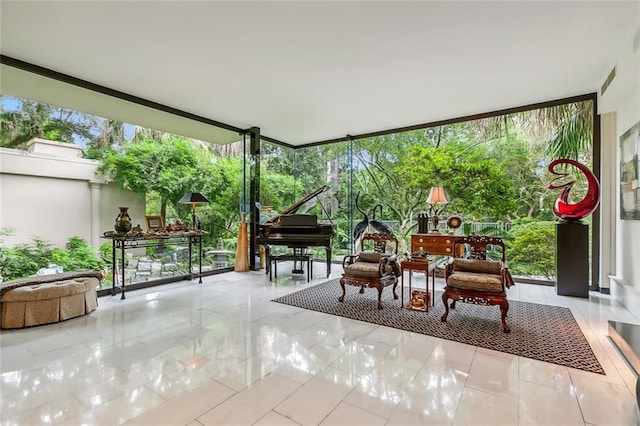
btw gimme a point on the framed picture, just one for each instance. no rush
(154, 223)
(630, 174)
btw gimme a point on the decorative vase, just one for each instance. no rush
(423, 223)
(123, 220)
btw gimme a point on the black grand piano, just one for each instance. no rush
(296, 231)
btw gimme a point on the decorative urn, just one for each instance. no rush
(123, 220)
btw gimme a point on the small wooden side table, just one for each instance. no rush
(415, 265)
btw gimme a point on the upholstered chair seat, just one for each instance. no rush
(476, 279)
(474, 274)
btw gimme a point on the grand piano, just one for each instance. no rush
(296, 231)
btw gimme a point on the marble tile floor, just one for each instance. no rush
(221, 353)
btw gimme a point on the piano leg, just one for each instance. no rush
(267, 256)
(328, 249)
(299, 255)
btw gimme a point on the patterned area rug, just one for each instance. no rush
(542, 332)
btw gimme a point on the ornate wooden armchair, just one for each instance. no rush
(477, 280)
(374, 269)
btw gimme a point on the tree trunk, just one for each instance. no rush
(163, 211)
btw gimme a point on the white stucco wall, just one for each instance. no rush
(112, 198)
(48, 208)
(53, 197)
(624, 103)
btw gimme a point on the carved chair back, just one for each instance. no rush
(379, 242)
(477, 246)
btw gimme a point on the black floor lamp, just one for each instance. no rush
(193, 198)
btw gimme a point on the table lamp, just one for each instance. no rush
(437, 202)
(193, 198)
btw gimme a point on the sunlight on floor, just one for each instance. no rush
(187, 353)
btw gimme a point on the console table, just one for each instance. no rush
(436, 244)
(123, 242)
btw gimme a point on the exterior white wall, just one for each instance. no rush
(112, 198)
(609, 182)
(53, 148)
(54, 196)
(624, 101)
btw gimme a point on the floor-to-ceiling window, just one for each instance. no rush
(493, 171)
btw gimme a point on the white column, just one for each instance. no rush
(608, 197)
(95, 214)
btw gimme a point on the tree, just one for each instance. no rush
(526, 171)
(168, 168)
(109, 133)
(530, 247)
(164, 170)
(571, 126)
(477, 185)
(377, 167)
(37, 120)
(565, 131)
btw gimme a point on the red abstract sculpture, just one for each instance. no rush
(562, 207)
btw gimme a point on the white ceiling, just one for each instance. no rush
(311, 71)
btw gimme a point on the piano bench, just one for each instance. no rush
(296, 257)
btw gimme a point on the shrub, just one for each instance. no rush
(16, 262)
(531, 248)
(24, 260)
(106, 253)
(80, 255)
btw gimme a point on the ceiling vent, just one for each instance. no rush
(608, 81)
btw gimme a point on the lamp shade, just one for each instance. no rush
(436, 196)
(193, 198)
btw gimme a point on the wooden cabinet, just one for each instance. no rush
(436, 244)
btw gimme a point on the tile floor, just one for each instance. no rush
(221, 353)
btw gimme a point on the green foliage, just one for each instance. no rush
(475, 182)
(221, 182)
(573, 135)
(169, 168)
(277, 190)
(5, 231)
(165, 167)
(35, 119)
(93, 151)
(17, 262)
(24, 260)
(530, 248)
(80, 256)
(105, 253)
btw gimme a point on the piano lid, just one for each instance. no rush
(294, 208)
